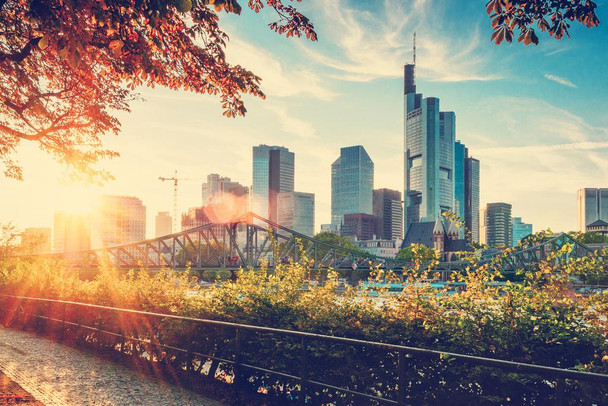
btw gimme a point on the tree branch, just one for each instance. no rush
(21, 55)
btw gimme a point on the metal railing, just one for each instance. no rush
(303, 377)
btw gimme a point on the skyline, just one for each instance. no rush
(547, 108)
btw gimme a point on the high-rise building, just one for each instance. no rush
(273, 173)
(71, 232)
(352, 182)
(118, 220)
(388, 214)
(471, 193)
(358, 226)
(520, 230)
(163, 224)
(35, 240)
(498, 225)
(428, 155)
(218, 189)
(466, 189)
(592, 206)
(296, 211)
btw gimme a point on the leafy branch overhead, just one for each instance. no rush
(553, 16)
(68, 65)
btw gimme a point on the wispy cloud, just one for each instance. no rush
(275, 80)
(375, 45)
(289, 123)
(560, 80)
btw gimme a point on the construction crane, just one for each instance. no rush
(175, 180)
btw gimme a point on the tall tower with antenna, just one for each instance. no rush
(410, 74)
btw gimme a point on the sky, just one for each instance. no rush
(535, 116)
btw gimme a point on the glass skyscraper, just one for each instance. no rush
(296, 211)
(429, 155)
(592, 206)
(497, 222)
(352, 182)
(273, 173)
(520, 230)
(466, 189)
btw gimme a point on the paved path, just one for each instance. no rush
(56, 374)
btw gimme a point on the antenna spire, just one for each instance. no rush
(414, 47)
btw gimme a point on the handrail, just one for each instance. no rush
(494, 362)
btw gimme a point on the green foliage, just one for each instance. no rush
(417, 252)
(541, 320)
(589, 238)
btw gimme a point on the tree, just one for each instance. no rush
(64, 66)
(548, 15)
(589, 238)
(8, 240)
(418, 252)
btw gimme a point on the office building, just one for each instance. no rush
(428, 155)
(592, 206)
(382, 248)
(273, 173)
(222, 190)
(471, 184)
(520, 230)
(388, 214)
(118, 220)
(497, 224)
(296, 211)
(71, 232)
(358, 226)
(352, 182)
(163, 224)
(330, 228)
(35, 240)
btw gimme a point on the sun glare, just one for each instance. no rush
(75, 200)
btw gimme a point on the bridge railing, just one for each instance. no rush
(291, 362)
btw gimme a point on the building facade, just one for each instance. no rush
(388, 214)
(498, 229)
(118, 220)
(71, 232)
(471, 193)
(352, 183)
(163, 222)
(273, 173)
(520, 230)
(380, 247)
(358, 226)
(592, 205)
(296, 211)
(222, 190)
(428, 156)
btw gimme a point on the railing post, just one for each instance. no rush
(303, 371)
(63, 321)
(236, 382)
(401, 383)
(189, 363)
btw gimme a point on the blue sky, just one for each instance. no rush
(535, 116)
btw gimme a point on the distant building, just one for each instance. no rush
(332, 228)
(498, 225)
(592, 206)
(163, 224)
(118, 220)
(222, 190)
(273, 173)
(194, 217)
(520, 230)
(36, 240)
(71, 232)
(598, 226)
(380, 247)
(388, 214)
(471, 184)
(352, 182)
(358, 226)
(296, 211)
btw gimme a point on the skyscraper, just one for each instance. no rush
(498, 225)
(352, 182)
(592, 206)
(273, 173)
(428, 155)
(388, 214)
(217, 187)
(296, 211)
(520, 230)
(163, 224)
(71, 232)
(466, 189)
(118, 220)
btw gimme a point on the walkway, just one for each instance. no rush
(56, 374)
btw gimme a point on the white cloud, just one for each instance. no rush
(277, 80)
(289, 123)
(560, 80)
(376, 46)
